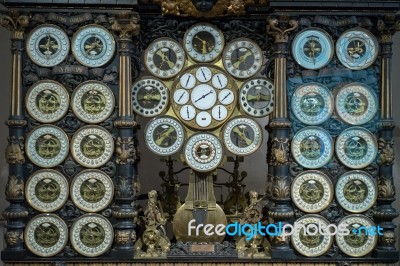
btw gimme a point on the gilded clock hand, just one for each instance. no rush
(165, 58)
(257, 97)
(163, 135)
(204, 96)
(242, 135)
(204, 45)
(242, 58)
(226, 96)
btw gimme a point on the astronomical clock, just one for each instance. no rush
(205, 86)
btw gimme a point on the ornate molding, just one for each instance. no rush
(281, 34)
(387, 27)
(16, 122)
(15, 150)
(281, 188)
(16, 23)
(280, 151)
(386, 151)
(14, 187)
(126, 25)
(125, 123)
(205, 8)
(386, 189)
(125, 150)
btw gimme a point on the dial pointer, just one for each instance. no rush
(226, 96)
(183, 93)
(187, 82)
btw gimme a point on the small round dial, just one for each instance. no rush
(256, 97)
(203, 74)
(188, 81)
(242, 58)
(93, 46)
(357, 48)
(219, 81)
(242, 135)
(164, 135)
(226, 97)
(187, 112)
(203, 119)
(203, 152)
(312, 48)
(164, 58)
(181, 96)
(47, 45)
(149, 97)
(203, 42)
(219, 112)
(203, 96)
(212, 100)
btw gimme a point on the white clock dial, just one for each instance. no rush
(181, 96)
(203, 42)
(164, 58)
(188, 81)
(203, 119)
(242, 58)
(203, 97)
(226, 97)
(219, 112)
(187, 112)
(219, 81)
(203, 74)
(47, 45)
(93, 46)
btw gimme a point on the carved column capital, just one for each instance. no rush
(16, 23)
(126, 25)
(280, 28)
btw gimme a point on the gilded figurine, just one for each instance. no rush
(153, 243)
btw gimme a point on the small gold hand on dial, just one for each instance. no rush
(204, 45)
(165, 58)
(242, 135)
(242, 58)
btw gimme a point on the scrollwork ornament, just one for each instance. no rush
(386, 189)
(281, 35)
(14, 187)
(126, 152)
(280, 151)
(386, 152)
(15, 150)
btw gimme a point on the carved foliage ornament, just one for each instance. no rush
(12, 237)
(386, 187)
(386, 152)
(126, 24)
(15, 23)
(14, 187)
(281, 35)
(280, 151)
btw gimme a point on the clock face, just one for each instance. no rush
(46, 235)
(164, 135)
(357, 48)
(150, 97)
(93, 46)
(257, 97)
(203, 42)
(311, 243)
(242, 58)
(92, 101)
(47, 45)
(242, 135)
(47, 101)
(312, 48)
(91, 235)
(164, 58)
(204, 96)
(203, 152)
(358, 243)
(356, 191)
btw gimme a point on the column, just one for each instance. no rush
(126, 183)
(385, 212)
(16, 213)
(279, 130)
